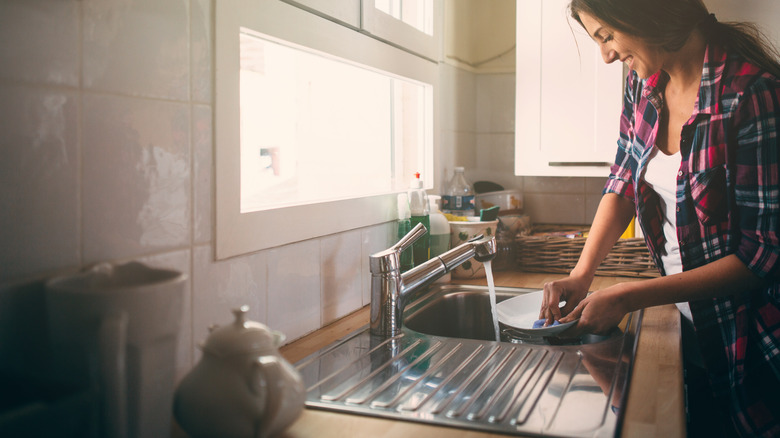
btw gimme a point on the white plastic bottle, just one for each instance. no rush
(440, 228)
(458, 198)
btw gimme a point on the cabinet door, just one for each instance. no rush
(568, 100)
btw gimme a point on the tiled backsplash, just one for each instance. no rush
(106, 137)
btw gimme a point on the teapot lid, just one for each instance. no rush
(242, 336)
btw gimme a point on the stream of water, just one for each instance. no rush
(492, 290)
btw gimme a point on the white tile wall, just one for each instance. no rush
(106, 139)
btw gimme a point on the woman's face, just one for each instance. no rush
(615, 45)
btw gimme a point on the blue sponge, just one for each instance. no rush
(540, 323)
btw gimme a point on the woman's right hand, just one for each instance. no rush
(571, 289)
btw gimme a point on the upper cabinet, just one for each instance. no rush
(568, 101)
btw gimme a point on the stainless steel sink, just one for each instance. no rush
(446, 368)
(464, 312)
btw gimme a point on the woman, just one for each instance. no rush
(697, 162)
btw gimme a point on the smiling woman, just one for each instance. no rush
(313, 120)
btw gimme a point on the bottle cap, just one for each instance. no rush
(416, 182)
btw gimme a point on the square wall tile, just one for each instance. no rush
(219, 286)
(294, 298)
(341, 273)
(495, 106)
(202, 173)
(136, 176)
(139, 47)
(458, 149)
(554, 184)
(554, 208)
(201, 49)
(39, 189)
(458, 99)
(595, 185)
(496, 153)
(39, 41)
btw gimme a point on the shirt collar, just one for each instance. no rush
(708, 99)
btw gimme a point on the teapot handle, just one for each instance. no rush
(266, 372)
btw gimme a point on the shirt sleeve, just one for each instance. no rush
(757, 185)
(620, 179)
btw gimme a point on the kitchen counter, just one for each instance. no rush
(655, 405)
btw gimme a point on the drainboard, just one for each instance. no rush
(504, 387)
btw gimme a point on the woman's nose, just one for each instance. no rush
(608, 54)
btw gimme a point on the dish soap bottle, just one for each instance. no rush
(440, 228)
(404, 226)
(419, 207)
(459, 196)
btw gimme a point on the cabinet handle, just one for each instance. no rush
(578, 163)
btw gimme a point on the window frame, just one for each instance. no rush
(238, 233)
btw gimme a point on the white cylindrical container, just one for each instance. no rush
(115, 328)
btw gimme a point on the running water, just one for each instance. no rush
(492, 290)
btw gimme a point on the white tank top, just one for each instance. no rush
(661, 175)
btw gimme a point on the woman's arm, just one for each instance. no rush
(604, 309)
(612, 218)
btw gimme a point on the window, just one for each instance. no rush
(411, 24)
(415, 13)
(316, 124)
(318, 128)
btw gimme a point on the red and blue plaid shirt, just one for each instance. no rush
(728, 202)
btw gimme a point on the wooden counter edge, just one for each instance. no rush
(655, 405)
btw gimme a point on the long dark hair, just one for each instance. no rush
(668, 24)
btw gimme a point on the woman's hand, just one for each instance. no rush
(599, 312)
(571, 289)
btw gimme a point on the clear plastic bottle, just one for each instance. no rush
(458, 198)
(420, 209)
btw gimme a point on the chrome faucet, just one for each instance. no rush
(391, 290)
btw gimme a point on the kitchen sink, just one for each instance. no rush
(446, 368)
(464, 312)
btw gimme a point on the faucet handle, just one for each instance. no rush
(418, 231)
(387, 260)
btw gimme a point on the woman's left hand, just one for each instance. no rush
(599, 312)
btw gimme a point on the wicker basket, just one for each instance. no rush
(548, 249)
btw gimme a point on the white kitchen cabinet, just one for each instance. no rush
(568, 100)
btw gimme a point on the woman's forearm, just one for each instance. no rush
(719, 278)
(612, 217)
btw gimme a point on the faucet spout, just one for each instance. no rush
(391, 290)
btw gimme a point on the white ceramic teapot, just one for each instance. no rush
(241, 387)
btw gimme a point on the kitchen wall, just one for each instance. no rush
(106, 139)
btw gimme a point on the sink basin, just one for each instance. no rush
(446, 368)
(464, 312)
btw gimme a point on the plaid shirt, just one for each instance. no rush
(728, 202)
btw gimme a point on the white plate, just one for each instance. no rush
(522, 311)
